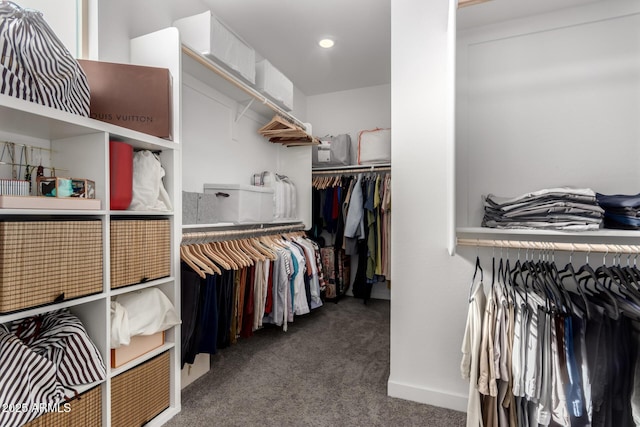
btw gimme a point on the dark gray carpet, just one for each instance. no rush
(329, 369)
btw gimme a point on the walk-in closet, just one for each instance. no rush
(273, 212)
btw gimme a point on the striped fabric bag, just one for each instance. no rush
(59, 336)
(36, 66)
(28, 384)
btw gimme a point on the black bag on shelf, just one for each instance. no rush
(36, 66)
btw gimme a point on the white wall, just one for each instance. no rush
(428, 304)
(350, 111)
(557, 94)
(62, 17)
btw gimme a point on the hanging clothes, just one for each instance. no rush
(557, 347)
(221, 308)
(470, 364)
(365, 216)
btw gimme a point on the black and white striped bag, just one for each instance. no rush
(36, 66)
(59, 336)
(28, 384)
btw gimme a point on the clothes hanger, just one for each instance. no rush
(232, 254)
(204, 260)
(586, 273)
(216, 254)
(261, 247)
(610, 277)
(212, 265)
(206, 250)
(209, 249)
(222, 252)
(512, 285)
(569, 272)
(625, 287)
(548, 284)
(271, 241)
(248, 248)
(190, 252)
(473, 280)
(184, 256)
(249, 253)
(248, 260)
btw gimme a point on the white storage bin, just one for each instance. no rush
(205, 33)
(271, 82)
(239, 203)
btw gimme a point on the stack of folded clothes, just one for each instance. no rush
(560, 208)
(620, 211)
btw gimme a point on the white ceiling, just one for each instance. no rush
(286, 32)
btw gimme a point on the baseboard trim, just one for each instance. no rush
(442, 399)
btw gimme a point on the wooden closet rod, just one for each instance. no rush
(463, 3)
(349, 169)
(231, 79)
(213, 236)
(552, 246)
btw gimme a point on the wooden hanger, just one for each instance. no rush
(231, 253)
(222, 252)
(252, 251)
(186, 257)
(210, 252)
(248, 261)
(203, 249)
(280, 130)
(187, 252)
(204, 261)
(270, 242)
(266, 250)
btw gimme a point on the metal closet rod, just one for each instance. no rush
(348, 170)
(553, 246)
(212, 236)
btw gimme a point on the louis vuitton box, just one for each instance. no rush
(131, 96)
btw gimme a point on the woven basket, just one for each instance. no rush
(85, 410)
(141, 393)
(46, 261)
(140, 251)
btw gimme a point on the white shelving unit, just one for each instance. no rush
(80, 146)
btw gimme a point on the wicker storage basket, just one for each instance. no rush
(141, 393)
(46, 261)
(140, 251)
(85, 410)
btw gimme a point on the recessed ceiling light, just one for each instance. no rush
(326, 43)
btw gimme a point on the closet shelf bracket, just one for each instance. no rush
(244, 110)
